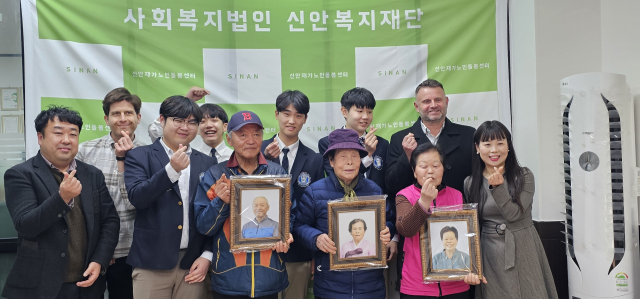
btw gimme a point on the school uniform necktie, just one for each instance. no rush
(285, 159)
(213, 155)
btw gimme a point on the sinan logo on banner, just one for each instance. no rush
(392, 73)
(242, 76)
(81, 70)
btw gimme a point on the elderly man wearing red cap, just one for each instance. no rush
(230, 271)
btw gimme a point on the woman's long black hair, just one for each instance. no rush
(487, 131)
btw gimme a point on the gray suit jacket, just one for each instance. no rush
(38, 213)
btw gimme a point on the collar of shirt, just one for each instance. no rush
(72, 166)
(221, 150)
(233, 162)
(293, 149)
(170, 151)
(428, 132)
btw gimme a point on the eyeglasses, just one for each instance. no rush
(179, 122)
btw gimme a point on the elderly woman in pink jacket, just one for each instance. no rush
(414, 206)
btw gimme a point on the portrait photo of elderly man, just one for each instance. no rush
(261, 226)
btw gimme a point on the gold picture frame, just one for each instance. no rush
(464, 223)
(275, 190)
(373, 206)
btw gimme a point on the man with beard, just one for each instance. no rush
(107, 153)
(456, 141)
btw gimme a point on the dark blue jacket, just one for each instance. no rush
(306, 170)
(253, 274)
(375, 172)
(311, 221)
(159, 211)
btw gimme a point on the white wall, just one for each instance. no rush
(550, 40)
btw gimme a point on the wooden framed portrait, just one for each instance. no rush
(450, 245)
(260, 211)
(355, 228)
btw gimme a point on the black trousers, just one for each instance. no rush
(463, 295)
(119, 282)
(217, 295)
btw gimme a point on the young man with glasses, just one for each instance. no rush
(211, 129)
(170, 258)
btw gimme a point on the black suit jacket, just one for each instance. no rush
(456, 141)
(159, 212)
(39, 215)
(306, 169)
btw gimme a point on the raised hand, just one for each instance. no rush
(428, 193)
(70, 187)
(409, 144)
(123, 145)
(222, 188)
(180, 159)
(371, 141)
(196, 93)
(496, 178)
(272, 151)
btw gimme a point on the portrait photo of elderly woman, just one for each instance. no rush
(450, 256)
(357, 240)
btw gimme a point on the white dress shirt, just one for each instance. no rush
(183, 178)
(223, 152)
(433, 139)
(293, 150)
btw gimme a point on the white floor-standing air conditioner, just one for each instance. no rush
(600, 186)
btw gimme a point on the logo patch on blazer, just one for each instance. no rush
(304, 179)
(201, 176)
(377, 162)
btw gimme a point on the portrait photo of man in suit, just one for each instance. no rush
(66, 221)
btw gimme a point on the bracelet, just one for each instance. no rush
(120, 158)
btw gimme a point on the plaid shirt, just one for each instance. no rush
(102, 154)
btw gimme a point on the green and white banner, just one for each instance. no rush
(247, 52)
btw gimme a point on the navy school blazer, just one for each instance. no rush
(306, 169)
(159, 213)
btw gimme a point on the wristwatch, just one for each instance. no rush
(120, 158)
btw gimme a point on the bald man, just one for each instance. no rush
(261, 226)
